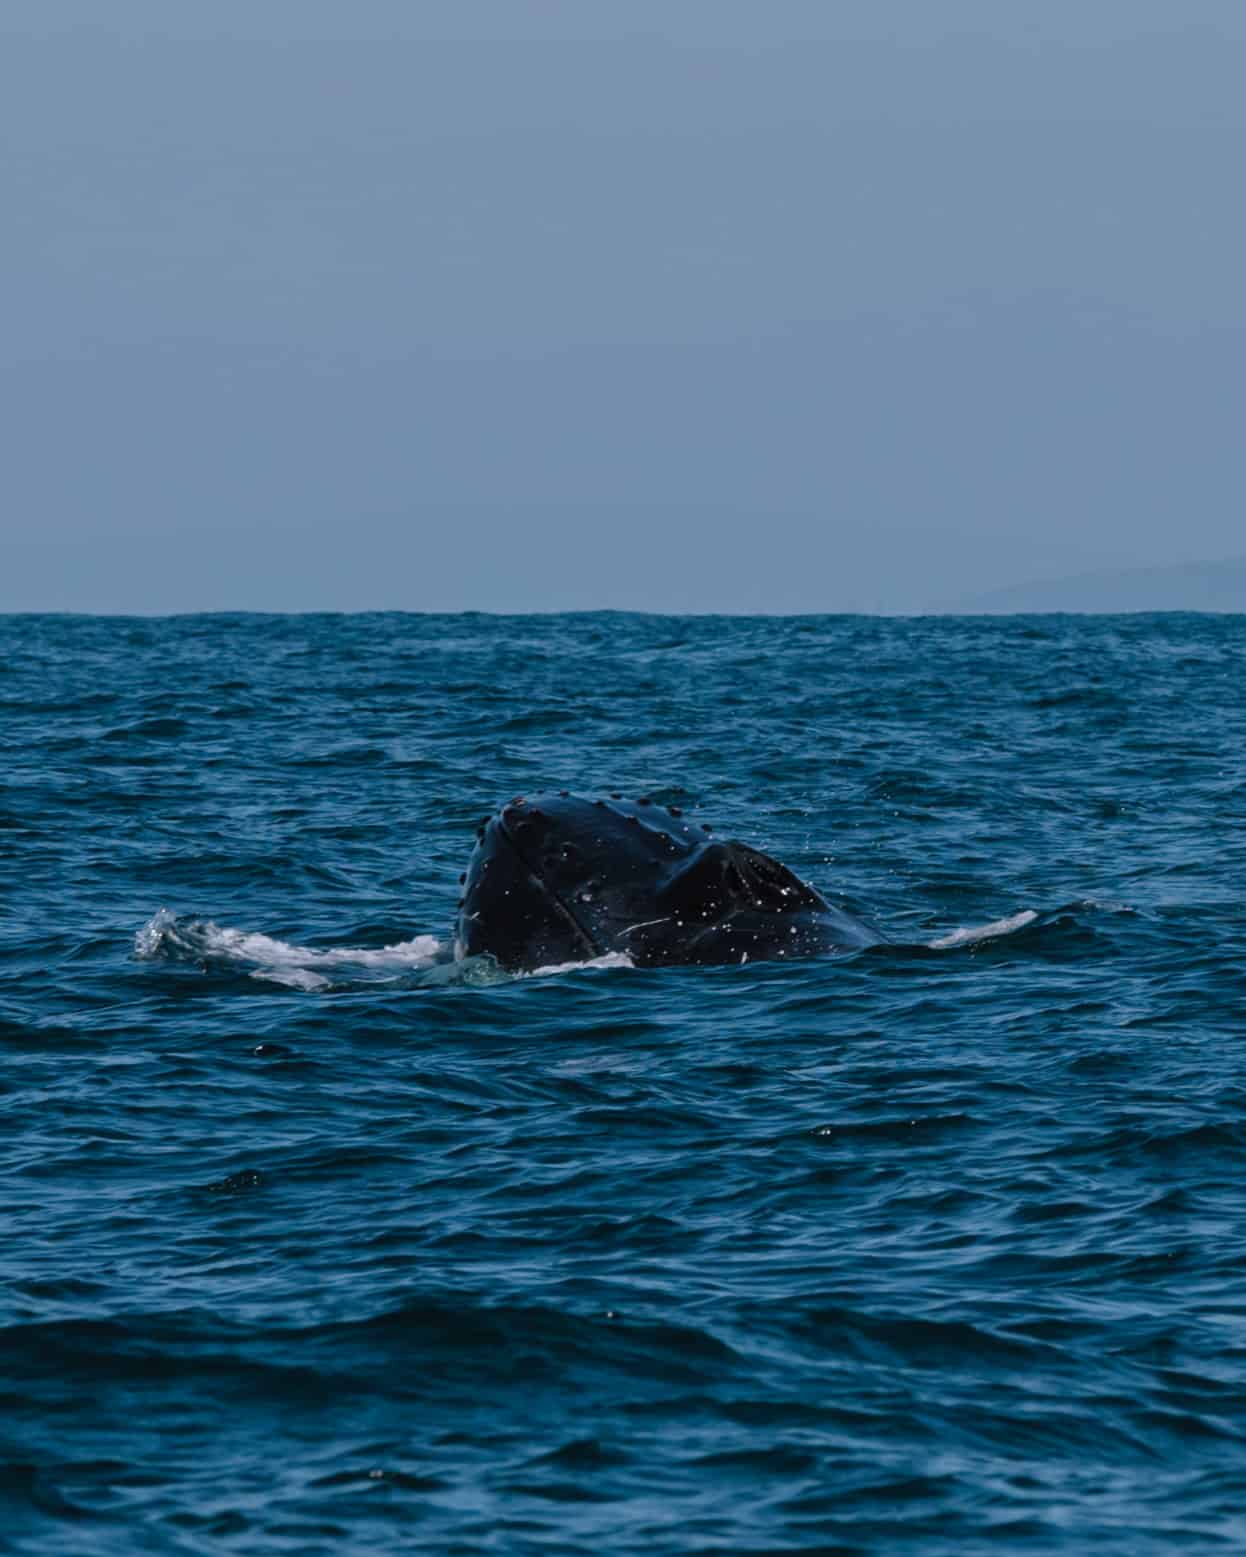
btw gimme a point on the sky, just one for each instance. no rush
(700, 305)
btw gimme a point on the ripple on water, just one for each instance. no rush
(318, 1240)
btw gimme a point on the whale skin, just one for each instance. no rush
(560, 878)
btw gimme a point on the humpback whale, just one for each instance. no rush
(563, 878)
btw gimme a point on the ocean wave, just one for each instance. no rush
(347, 1245)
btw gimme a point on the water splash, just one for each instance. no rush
(971, 935)
(607, 960)
(168, 937)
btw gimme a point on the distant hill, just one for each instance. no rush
(1191, 586)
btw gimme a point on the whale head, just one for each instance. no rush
(562, 878)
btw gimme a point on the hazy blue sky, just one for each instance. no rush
(695, 304)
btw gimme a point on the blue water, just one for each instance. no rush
(314, 1241)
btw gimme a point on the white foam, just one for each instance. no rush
(296, 978)
(150, 939)
(608, 960)
(265, 957)
(984, 932)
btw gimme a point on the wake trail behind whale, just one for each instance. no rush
(169, 938)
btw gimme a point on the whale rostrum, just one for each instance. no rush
(563, 878)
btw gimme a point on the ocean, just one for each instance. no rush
(314, 1240)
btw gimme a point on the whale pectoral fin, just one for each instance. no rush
(722, 878)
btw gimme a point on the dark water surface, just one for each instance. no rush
(312, 1241)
